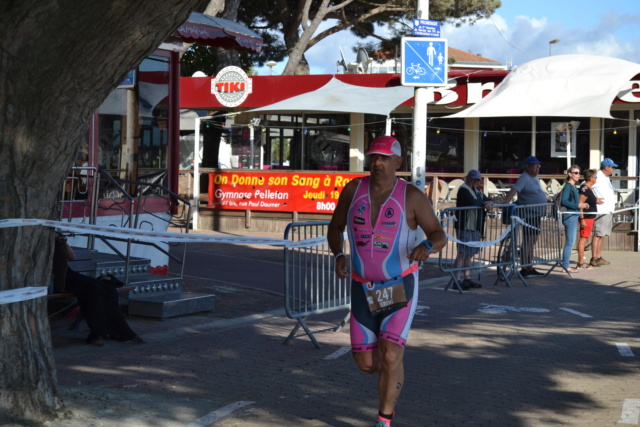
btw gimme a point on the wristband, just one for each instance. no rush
(428, 244)
(336, 256)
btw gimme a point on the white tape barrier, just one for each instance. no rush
(633, 208)
(22, 294)
(156, 236)
(483, 244)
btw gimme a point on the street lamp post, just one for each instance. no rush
(554, 41)
(270, 64)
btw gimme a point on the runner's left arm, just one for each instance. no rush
(420, 212)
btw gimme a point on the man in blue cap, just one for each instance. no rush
(603, 189)
(529, 192)
(469, 225)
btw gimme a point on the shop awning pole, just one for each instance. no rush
(196, 174)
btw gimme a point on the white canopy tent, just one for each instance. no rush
(563, 85)
(340, 97)
(334, 97)
(558, 86)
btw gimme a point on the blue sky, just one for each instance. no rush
(520, 31)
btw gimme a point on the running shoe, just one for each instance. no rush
(602, 261)
(383, 422)
(594, 262)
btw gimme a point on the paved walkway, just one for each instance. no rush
(562, 351)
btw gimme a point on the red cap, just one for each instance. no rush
(385, 145)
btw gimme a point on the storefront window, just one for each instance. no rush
(445, 145)
(281, 139)
(551, 142)
(306, 142)
(327, 142)
(504, 143)
(145, 105)
(616, 140)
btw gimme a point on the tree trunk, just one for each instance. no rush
(226, 57)
(59, 59)
(297, 44)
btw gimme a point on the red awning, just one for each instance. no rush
(218, 32)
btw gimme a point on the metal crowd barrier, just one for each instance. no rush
(513, 237)
(537, 237)
(495, 245)
(310, 282)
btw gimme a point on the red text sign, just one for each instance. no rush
(282, 192)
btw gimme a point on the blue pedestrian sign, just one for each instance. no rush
(426, 28)
(424, 61)
(129, 81)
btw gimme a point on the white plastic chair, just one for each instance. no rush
(454, 186)
(554, 186)
(444, 191)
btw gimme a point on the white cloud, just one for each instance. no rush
(520, 39)
(525, 38)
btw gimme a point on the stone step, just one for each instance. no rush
(170, 304)
(152, 295)
(147, 284)
(96, 264)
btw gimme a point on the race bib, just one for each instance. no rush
(385, 295)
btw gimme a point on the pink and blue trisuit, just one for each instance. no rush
(379, 250)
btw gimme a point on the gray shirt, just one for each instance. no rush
(530, 191)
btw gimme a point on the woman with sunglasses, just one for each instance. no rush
(571, 207)
(588, 215)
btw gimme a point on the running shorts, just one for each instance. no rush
(366, 329)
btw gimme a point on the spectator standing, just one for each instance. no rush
(529, 192)
(571, 202)
(603, 188)
(588, 215)
(469, 224)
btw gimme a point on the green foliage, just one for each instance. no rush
(454, 12)
(279, 23)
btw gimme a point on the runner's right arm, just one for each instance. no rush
(335, 233)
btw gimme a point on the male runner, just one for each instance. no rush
(381, 214)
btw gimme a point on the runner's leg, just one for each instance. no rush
(391, 377)
(367, 361)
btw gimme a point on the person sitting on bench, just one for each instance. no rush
(97, 298)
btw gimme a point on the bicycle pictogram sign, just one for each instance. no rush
(424, 61)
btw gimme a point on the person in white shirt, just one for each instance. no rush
(603, 189)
